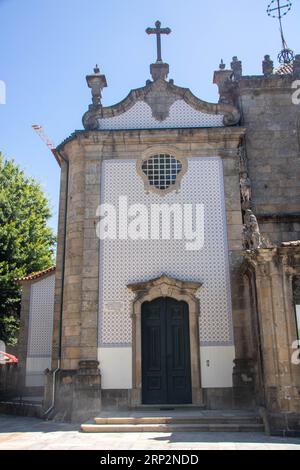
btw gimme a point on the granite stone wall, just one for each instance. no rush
(273, 152)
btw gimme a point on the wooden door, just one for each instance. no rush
(166, 363)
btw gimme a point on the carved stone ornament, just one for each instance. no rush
(91, 117)
(245, 181)
(251, 232)
(252, 238)
(228, 88)
(267, 66)
(96, 82)
(160, 100)
(165, 286)
(228, 92)
(236, 67)
(245, 186)
(159, 71)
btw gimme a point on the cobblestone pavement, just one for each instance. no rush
(31, 434)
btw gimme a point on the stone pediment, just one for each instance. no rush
(160, 104)
(166, 285)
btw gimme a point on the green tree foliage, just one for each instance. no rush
(26, 242)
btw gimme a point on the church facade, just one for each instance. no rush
(178, 262)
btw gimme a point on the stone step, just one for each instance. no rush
(214, 427)
(187, 406)
(178, 420)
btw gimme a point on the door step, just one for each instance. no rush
(142, 408)
(120, 428)
(182, 423)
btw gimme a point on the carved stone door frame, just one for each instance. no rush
(165, 286)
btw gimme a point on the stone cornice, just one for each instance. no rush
(209, 136)
(91, 117)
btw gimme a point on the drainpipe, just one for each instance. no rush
(60, 157)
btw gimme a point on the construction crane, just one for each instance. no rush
(40, 131)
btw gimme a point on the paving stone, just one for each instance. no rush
(33, 434)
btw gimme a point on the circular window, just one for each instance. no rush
(161, 171)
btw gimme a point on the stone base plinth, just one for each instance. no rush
(245, 394)
(284, 424)
(78, 393)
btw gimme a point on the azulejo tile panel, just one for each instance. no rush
(123, 262)
(181, 115)
(41, 318)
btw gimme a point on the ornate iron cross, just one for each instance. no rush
(158, 31)
(276, 6)
(278, 9)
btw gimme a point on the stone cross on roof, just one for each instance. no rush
(158, 31)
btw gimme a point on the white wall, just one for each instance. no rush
(116, 368)
(216, 366)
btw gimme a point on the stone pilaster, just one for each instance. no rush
(71, 321)
(277, 327)
(90, 258)
(78, 381)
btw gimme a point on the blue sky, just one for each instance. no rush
(48, 46)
